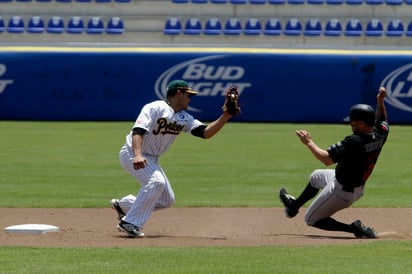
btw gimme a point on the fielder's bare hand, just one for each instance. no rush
(139, 162)
(304, 136)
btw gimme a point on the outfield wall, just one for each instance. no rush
(275, 85)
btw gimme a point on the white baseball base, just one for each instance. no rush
(31, 229)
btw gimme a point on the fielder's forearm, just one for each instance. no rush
(215, 126)
(137, 141)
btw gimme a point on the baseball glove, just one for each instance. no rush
(231, 104)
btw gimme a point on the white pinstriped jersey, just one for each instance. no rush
(163, 125)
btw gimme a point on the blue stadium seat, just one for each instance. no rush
(333, 28)
(408, 2)
(103, 1)
(257, 2)
(172, 26)
(43, 0)
(296, 2)
(64, 1)
(95, 25)
(237, 1)
(272, 27)
(23, 0)
(218, 1)
(16, 24)
(354, 2)
(122, 1)
(193, 26)
(6, 0)
(315, 2)
(200, 1)
(232, 27)
(115, 25)
(35, 25)
(334, 2)
(2, 26)
(394, 2)
(75, 25)
(353, 28)
(180, 1)
(252, 27)
(374, 28)
(408, 31)
(395, 28)
(84, 1)
(277, 2)
(374, 2)
(55, 25)
(213, 26)
(293, 27)
(313, 27)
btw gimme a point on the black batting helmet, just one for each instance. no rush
(362, 112)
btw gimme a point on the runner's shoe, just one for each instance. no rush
(287, 200)
(362, 231)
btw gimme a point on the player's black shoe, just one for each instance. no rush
(131, 230)
(287, 200)
(119, 210)
(362, 231)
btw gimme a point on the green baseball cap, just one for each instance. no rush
(176, 85)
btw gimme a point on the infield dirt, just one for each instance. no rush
(93, 227)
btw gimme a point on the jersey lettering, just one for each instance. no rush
(374, 146)
(355, 165)
(167, 128)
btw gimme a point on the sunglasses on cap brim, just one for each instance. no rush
(185, 90)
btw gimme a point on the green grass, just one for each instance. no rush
(373, 257)
(53, 164)
(72, 164)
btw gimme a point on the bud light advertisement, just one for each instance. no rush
(113, 84)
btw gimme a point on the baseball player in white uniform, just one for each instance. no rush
(155, 129)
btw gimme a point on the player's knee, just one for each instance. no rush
(309, 221)
(317, 178)
(156, 186)
(170, 202)
(165, 203)
(314, 176)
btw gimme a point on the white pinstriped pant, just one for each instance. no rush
(155, 192)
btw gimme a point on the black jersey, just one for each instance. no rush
(357, 154)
